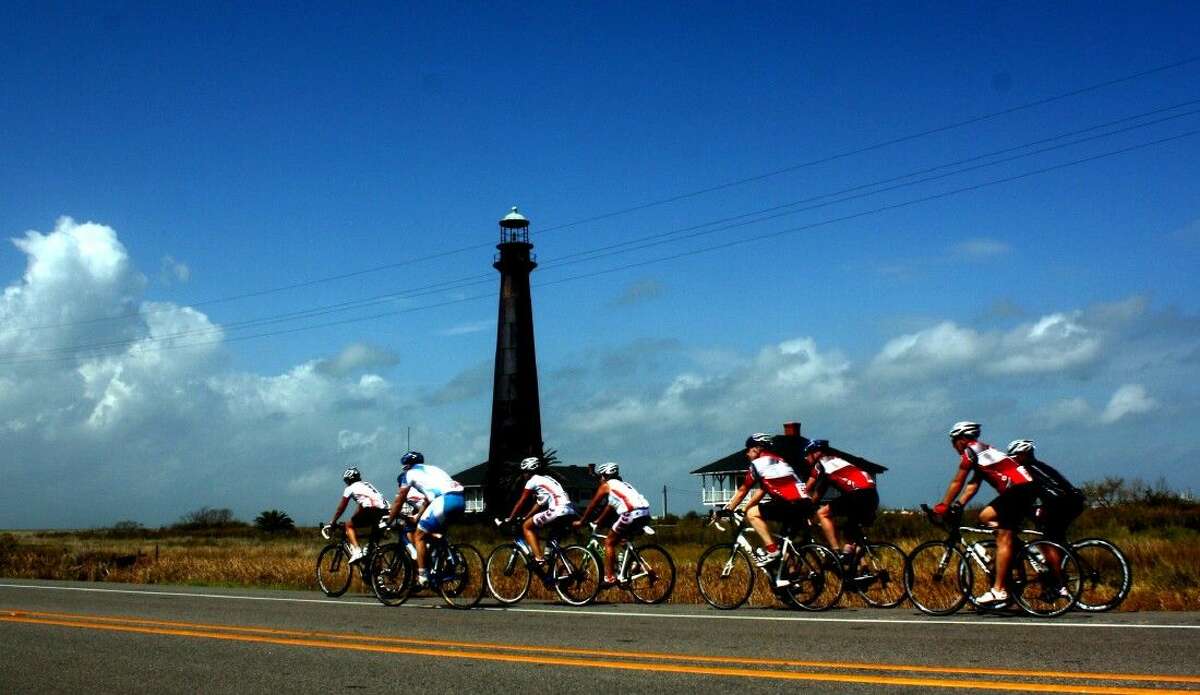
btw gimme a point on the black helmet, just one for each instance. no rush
(411, 458)
(761, 440)
(351, 475)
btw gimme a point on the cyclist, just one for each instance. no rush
(1061, 502)
(1014, 501)
(548, 494)
(371, 508)
(774, 476)
(857, 501)
(633, 513)
(443, 503)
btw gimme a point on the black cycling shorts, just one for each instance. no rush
(367, 517)
(858, 506)
(1057, 516)
(791, 515)
(1013, 505)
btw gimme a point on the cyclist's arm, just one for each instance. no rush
(755, 497)
(519, 505)
(956, 485)
(394, 511)
(737, 496)
(601, 493)
(810, 488)
(341, 508)
(970, 490)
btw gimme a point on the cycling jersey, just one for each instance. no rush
(844, 475)
(776, 477)
(996, 467)
(624, 498)
(1054, 485)
(431, 481)
(548, 492)
(366, 495)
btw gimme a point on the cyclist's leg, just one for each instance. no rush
(625, 526)
(758, 522)
(430, 522)
(530, 529)
(828, 526)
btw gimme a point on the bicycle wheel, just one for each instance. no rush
(508, 573)
(391, 574)
(461, 581)
(333, 570)
(1043, 587)
(1106, 573)
(879, 578)
(651, 574)
(937, 578)
(725, 576)
(815, 574)
(576, 575)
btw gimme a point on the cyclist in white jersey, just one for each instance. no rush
(443, 504)
(549, 496)
(633, 513)
(371, 508)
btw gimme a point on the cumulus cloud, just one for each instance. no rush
(357, 357)
(1130, 399)
(639, 291)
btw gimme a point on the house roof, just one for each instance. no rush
(790, 448)
(571, 476)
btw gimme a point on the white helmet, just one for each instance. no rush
(531, 464)
(965, 429)
(608, 469)
(1021, 446)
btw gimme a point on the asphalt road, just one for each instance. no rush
(80, 637)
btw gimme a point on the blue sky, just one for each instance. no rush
(219, 151)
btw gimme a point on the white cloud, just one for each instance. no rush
(357, 357)
(172, 271)
(943, 347)
(469, 328)
(1130, 399)
(981, 249)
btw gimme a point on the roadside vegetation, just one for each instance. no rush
(1158, 529)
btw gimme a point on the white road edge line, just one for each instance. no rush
(624, 614)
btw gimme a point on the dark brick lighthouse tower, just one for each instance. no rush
(516, 412)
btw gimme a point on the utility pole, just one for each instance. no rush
(664, 501)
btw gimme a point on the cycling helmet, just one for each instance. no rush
(965, 429)
(816, 445)
(1021, 446)
(761, 440)
(351, 475)
(608, 469)
(412, 458)
(531, 464)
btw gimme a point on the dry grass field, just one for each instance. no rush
(1166, 557)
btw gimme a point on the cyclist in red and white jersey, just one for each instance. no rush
(1014, 501)
(857, 499)
(549, 496)
(775, 477)
(371, 508)
(633, 513)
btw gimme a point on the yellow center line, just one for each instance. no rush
(974, 684)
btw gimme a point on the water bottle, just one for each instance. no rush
(980, 551)
(412, 551)
(523, 546)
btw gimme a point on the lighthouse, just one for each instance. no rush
(516, 413)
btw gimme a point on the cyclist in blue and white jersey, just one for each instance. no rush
(444, 502)
(549, 496)
(371, 507)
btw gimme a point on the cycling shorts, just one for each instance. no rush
(858, 506)
(367, 517)
(1057, 516)
(791, 515)
(631, 522)
(441, 511)
(554, 515)
(1013, 505)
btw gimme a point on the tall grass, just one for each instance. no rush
(1163, 547)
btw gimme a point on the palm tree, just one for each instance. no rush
(274, 521)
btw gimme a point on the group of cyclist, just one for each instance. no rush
(831, 485)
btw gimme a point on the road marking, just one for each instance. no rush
(577, 651)
(688, 669)
(576, 612)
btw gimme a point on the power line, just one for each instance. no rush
(684, 254)
(658, 202)
(649, 241)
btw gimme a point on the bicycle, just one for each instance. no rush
(572, 571)
(456, 571)
(646, 572)
(805, 576)
(940, 576)
(876, 571)
(334, 570)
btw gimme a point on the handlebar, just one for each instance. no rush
(736, 516)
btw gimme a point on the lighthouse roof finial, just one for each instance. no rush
(514, 220)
